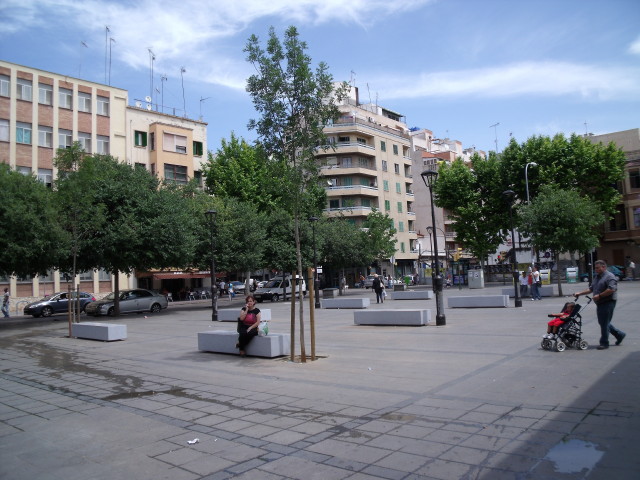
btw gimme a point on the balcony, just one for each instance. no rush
(359, 124)
(357, 211)
(349, 190)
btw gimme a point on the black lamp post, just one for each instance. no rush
(509, 196)
(316, 287)
(211, 215)
(429, 177)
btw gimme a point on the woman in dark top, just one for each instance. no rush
(248, 324)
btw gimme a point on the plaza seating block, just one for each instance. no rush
(270, 346)
(396, 317)
(346, 302)
(479, 301)
(107, 332)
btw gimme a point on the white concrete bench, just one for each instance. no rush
(412, 295)
(545, 291)
(232, 314)
(479, 301)
(345, 303)
(399, 317)
(107, 332)
(270, 346)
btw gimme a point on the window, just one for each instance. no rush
(85, 141)
(45, 175)
(176, 173)
(45, 94)
(346, 162)
(347, 181)
(197, 175)
(636, 217)
(333, 204)
(364, 181)
(140, 138)
(384, 165)
(361, 141)
(4, 85)
(344, 139)
(366, 202)
(103, 145)
(398, 188)
(397, 168)
(65, 98)
(395, 149)
(363, 162)
(634, 178)
(399, 207)
(84, 102)
(103, 275)
(24, 89)
(383, 146)
(64, 139)
(24, 170)
(140, 166)
(387, 205)
(385, 185)
(103, 106)
(174, 143)
(45, 136)
(152, 141)
(401, 226)
(86, 276)
(23, 133)
(197, 148)
(4, 130)
(402, 247)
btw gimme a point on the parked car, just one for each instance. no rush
(238, 287)
(368, 282)
(617, 270)
(136, 300)
(56, 303)
(262, 283)
(274, 289)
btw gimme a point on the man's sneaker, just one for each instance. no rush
(602, 347)
(619, 341)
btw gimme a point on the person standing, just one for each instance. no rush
(5, 303)
(535, 284)
(605, 294)
(378, 287)
(524, 284)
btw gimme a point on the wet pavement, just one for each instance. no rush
(475, 399)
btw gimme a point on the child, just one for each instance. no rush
(558, 319)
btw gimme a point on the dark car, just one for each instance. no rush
(617, 270)
(56, 303)
(136, 300)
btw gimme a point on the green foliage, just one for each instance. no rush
(378, 240)
(31, 239)
(341, 244)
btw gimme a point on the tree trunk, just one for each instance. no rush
(557, 258)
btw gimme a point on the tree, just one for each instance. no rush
(295, 104)
(378, 237)
(473, 197)
(561, 220)
(31, 239)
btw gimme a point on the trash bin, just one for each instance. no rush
(572, 274)
(476, 278)
(545, 277)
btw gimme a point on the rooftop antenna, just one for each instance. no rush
(81, 57)
(152, 57)
(586, 129)
(106, 49)
(184, 105)
(495, 126)
(202, 100)
(369, 92)
(352, 80)
(163, 78)
(111, 42)
(157, 90)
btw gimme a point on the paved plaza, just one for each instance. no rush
(475, 399)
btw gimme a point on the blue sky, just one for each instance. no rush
(456, 67)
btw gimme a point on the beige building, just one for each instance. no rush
(369, 167)
(621, 239)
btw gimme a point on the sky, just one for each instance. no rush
(477, 71)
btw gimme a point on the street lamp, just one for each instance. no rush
(526, 183)
(509, 197)
(211, 216)
(429, 177)
(316, 287)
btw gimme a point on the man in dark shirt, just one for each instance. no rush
(605, 293)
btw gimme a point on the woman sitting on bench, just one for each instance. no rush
(248, 323)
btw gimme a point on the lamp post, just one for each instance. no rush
(509, 196)
(211, 216)
(526, 183)
(316, 287)
(429, 177)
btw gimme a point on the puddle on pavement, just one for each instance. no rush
(398, 417)
(574, 456)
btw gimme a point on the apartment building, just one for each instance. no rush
(621, 239)
(369, 167)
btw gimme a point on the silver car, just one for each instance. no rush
(136, 300)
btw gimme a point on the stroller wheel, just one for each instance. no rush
(583, 345)
(560, 346)
(543, 344)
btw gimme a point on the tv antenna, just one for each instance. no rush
(152, 57)
(202, 100)
(495, 127)
(163, 78)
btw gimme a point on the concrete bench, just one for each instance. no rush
(398, 317)
(232, 314)
(412, 295)
(330, 292)
(345, 303)
(545, 291)
(270, 346)
(107, 332)
(479, 301)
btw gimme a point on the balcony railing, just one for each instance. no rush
(352, 122)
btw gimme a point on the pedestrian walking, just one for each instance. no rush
(605, 294)
(378, 287)
(5, 303)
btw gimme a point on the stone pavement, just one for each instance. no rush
(475, 399)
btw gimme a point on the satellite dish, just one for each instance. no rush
(149, 106)
(147, 99)
(139, 104)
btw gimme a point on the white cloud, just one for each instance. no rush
(634, 48)
(527, 78)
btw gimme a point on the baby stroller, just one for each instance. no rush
(569, 333)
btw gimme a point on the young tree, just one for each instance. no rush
(295, 104)
(377, 237)
(561, 220)
(31, 240)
